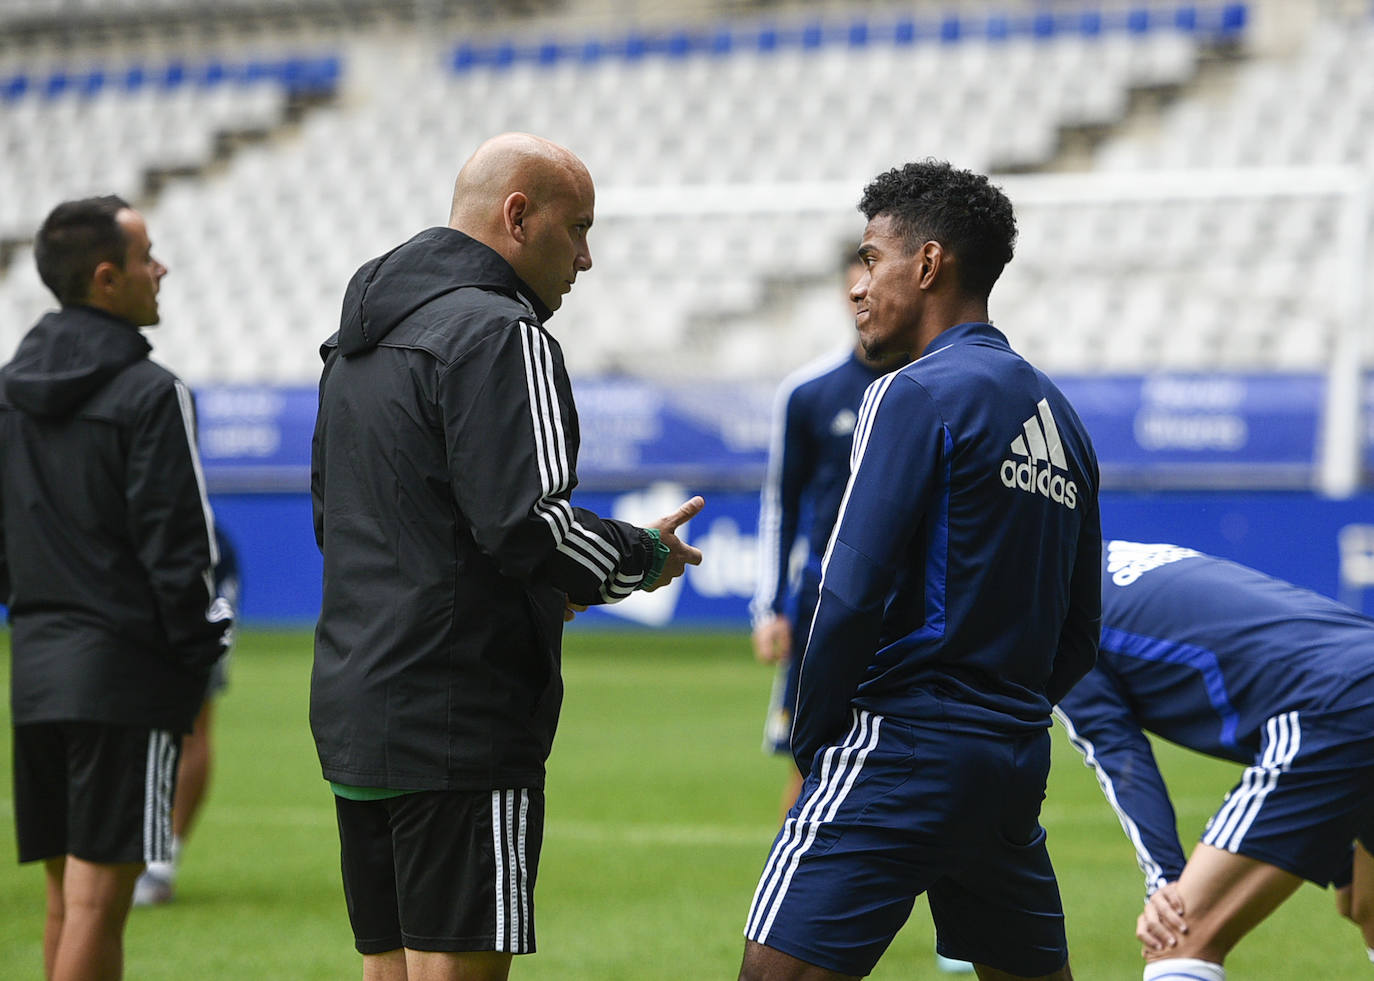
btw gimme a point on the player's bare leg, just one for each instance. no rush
(193, 773)
(424, 965)
(1356, 901)
(95, 905)
(1223, 897)
(762, 963)
(52, 924)
(986, 973)
(387, 966)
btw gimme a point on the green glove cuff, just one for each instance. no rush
(659, 560)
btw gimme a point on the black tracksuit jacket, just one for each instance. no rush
(106, 536)
(444, 458)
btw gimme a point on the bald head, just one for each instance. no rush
(530, 200)
(504, 165)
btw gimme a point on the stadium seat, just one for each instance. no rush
(737, 103)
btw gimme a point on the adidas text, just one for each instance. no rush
(1027, 477)
(1039, 443)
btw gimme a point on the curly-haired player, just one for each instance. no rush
(959, 600)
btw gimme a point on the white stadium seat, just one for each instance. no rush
(287, 219)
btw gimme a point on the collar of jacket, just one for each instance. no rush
(389, 288)
(67, 357)
(968, 331)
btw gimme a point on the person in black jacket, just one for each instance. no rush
(106, 550)
(444, 459)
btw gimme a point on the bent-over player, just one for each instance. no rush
(1229, 662)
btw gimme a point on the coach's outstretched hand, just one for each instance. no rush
(680, 554)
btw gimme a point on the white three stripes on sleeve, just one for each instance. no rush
(571, 538)
(217, 610)
(1154, 873)
(549, 441)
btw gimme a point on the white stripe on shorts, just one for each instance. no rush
(798, 834)
(524, 879)
(1283, 739)
(159, 772)
(508, 833)
(499, 854)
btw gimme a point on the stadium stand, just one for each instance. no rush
(261, 241)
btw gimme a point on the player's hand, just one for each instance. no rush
(1161, 923)
(773, 640)
(571, 609)
(680, 554)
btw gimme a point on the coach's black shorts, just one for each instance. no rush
(442, 870)
(102, 793)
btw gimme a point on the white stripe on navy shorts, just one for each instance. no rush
(840, 767)
(1282, 741)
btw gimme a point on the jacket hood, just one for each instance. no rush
(67, 357)
(389, 288)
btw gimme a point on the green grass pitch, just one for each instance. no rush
(660, 812)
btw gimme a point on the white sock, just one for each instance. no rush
(1184, 969)
(162, 870)
(168, 870)
(1370, 952)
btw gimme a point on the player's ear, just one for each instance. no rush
(104, 279)
(930, 258)
(513, 213)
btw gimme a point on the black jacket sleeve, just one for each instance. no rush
(172, 528)
(316, 463)
(4, 560)
(511, 434)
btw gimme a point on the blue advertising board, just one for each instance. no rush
(1242, 431)
(1202, 430)
(1236, 454)
(1322, 544)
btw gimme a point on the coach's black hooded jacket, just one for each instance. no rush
(106, 540)
(444, 457)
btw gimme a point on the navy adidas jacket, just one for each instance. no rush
(1204, 653)
(106, 537)
(808, 467)
(961, 583)
(444, 457)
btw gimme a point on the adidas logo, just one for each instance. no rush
(1039, 445)
(1128, 561)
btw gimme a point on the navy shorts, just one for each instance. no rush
(897, 809)
(1310, 795)
(442, 870)
(102, 793)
